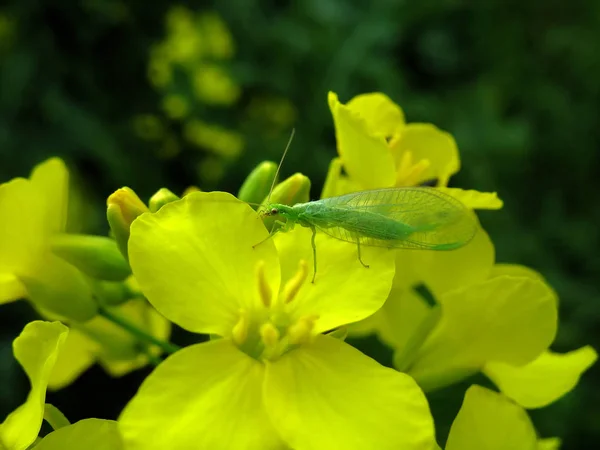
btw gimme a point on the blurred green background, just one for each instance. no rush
(152, 94)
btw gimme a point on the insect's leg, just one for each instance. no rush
(278, 226)
(314, 248)
(358, 247)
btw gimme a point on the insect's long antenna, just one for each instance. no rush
(280, 163)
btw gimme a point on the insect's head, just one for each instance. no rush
(275, 209)
(271, 212)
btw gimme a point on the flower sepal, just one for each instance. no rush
(258, 183)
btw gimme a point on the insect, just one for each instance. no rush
(408, 218)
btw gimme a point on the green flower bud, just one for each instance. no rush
(112, 294)
(124, 206)
(96, 256)
(161, 198)
(257, 185)
(295, 189)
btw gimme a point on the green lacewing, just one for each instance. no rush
(422, 218)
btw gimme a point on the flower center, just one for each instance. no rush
(271, 331)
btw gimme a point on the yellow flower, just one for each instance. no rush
(38, 348)
(116, 350)
(490, 421)
(34, 211)
(378, 149)
(272, 380)
(87, 434)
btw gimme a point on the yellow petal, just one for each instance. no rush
(475, 199)
(36, 349)
(76, 356)
(383, 117)
(195, 260)
(329, 395)
(87, 434)
(366, 156)
(442, 271)
(509, 319)
(22, 233)
(545, 379)
(336, 183)
(427, 142)
(11, 288)
(515, 270)
(57, 286)
(344, 290)
(51, 180)
(404, 310)
(549, 444)
(205, 396)
(490, 421)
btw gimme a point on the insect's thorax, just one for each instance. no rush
(365, 223)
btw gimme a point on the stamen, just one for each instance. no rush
(269, 335)
(295, 283)
(301, 331)
(264, 289)
(239, 333)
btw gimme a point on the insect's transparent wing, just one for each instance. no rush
(419, 218)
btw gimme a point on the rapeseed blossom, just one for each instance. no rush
(55, 271)
(377, 150)
(490, 421)
(37, 349)
(34, 212)
(271, 378)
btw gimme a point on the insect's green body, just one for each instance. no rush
(412, 218)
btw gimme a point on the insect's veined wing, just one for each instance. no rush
(412, 217)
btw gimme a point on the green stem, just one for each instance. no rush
(154, 360)
(134, 330)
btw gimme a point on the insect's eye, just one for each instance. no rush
(274, 211)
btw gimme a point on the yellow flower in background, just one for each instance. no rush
(103, 342)
(38, 349)
(490, 421)
(87, 434)
(377, 150)
(33, 213)
(272, 380)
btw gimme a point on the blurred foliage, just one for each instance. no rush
(516, 83)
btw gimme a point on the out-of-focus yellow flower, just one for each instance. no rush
(87, 434)
(490, 421)
(267, 381)
(214, 86)
(218, 40)
(175, 106)
(36, 349)
(221, 141)
(33, 211)
(101, 341)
